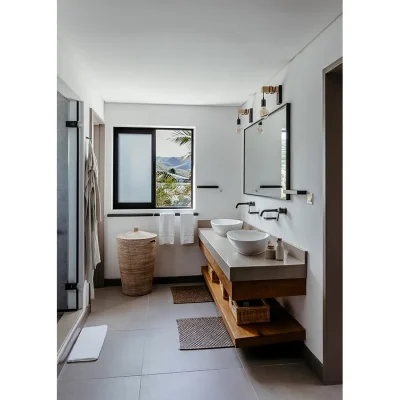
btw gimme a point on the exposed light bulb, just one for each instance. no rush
(263, 110)
(260, 128)
(238, 126)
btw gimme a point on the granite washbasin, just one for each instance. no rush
(248, 243)
(223, 226)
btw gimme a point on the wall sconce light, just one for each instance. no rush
(243, 111)
(260, 128)
(263, 110)
(270, 90)
(238, 127)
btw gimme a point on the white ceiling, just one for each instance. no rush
(214, 52)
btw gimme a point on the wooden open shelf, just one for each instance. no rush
(282, 328)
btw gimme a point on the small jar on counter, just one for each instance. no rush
(270, 252)
(279, 250)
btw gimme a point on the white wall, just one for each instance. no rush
(78, 78)
(216, 162)
(302, 82)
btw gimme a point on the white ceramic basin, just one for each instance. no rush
(222, 226)
(248, 243)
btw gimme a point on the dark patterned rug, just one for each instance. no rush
(203, 333)
(191, 294)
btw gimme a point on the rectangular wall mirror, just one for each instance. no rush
(267, 155)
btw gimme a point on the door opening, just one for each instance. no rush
(333, 225)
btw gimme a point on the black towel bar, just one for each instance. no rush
(143, 215)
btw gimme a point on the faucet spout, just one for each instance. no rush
(250, 203)
(268, 210)
(279, 211)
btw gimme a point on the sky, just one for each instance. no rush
(167, 148)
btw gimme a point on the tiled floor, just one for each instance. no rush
(59, 315)
(141, 360)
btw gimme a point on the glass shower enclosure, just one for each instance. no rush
(69, 113)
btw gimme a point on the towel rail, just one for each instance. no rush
(143, 215)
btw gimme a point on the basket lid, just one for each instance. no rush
(137, 234)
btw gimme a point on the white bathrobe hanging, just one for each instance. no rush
(92, 216)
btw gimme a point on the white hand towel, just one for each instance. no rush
(166, 230)
(187, 228)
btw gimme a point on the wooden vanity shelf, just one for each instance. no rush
(282, 328)
(213, 274)
(225, 294)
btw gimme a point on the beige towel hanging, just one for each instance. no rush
(92, 216)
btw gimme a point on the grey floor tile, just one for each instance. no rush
(125, 388)
(121, 355)
(166, 316)
(121, 317)
(110, 297)
(286, 353)
(162, 355)
(229, 384)
(290, 382)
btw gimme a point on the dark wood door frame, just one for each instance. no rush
(333, 225)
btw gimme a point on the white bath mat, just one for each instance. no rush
(88, 344)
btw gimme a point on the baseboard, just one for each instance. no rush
(112, 282)
(178, 279)
(162, 280)
(71, 341)
(315, 365)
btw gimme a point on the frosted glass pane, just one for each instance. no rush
(134, 168)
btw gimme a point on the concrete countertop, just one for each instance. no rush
(238, 267)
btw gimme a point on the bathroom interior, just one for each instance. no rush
(199, 201)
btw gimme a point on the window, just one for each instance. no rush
(153, 168)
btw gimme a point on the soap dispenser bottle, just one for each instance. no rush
(279, 251)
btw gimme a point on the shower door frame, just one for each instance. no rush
(75, 121)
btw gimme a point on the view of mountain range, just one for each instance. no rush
(175, 162)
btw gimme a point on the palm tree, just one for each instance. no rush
(168, 191)
(165, 191)
(183, 138)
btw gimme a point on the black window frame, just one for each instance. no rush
(117, 205)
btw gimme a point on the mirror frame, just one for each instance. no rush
(288, 128)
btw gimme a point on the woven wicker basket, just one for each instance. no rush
(136, 257)
(213, 275)
(225, 295)
(252, 314)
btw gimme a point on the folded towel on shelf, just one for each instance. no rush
(187, 228)
(166, 230)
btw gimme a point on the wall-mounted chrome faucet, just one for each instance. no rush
(250, 204)
(279, 211)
